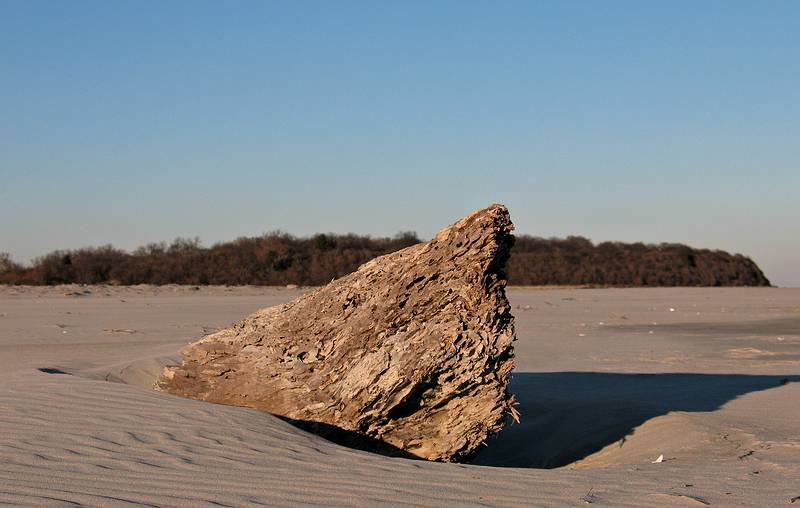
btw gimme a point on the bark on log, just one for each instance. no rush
(411, 352)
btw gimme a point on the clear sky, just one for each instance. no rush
(128, 122)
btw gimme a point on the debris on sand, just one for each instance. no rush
(590, 497)
(78, 293)
(411, 353)
(691, 497)
(659, 460)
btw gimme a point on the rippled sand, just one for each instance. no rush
(608, 380)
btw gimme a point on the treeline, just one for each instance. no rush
(577, 261)
(279, 259)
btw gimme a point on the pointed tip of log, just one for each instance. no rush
(493, 219)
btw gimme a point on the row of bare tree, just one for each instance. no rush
(279, 258)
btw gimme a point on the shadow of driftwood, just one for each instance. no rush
(566, 416)
(349, 438)
(51, 370)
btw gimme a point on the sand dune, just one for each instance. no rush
(608, 380)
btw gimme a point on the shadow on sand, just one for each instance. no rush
(349, 438)
(566, 416)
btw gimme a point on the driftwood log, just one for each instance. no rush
(410, 353)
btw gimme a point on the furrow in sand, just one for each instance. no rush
(246, 478)
(321, 492)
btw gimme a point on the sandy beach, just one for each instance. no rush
(608, 380)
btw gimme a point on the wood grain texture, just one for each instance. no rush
(411, 352)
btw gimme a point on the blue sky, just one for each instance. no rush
(128, 122)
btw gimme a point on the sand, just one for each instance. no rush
(608, 380)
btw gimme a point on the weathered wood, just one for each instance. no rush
(413, 350)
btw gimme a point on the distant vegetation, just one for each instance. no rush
(279, 258)
(577, 261)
